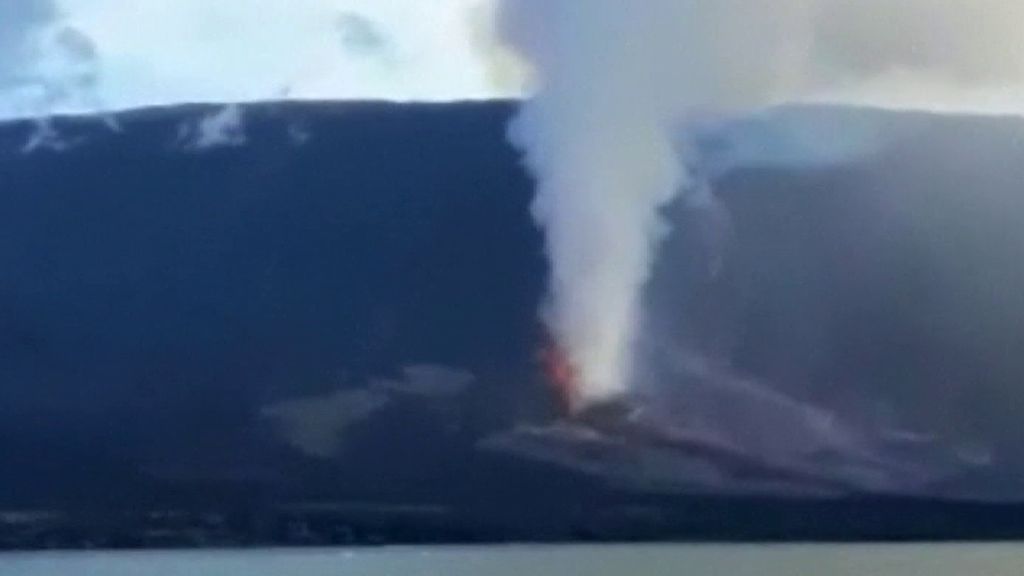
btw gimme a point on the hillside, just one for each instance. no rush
(302, 309)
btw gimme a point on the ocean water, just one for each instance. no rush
(675, 560)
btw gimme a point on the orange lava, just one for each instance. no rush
(562, 375)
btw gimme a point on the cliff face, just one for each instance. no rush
(339, 302)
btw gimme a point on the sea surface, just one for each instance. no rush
(630, 560)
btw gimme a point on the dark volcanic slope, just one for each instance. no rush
(255, 306)
(157, 297)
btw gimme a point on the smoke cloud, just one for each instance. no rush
(613, 82)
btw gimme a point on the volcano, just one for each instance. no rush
(329, 312)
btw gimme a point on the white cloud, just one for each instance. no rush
(316, 425)
(45, 137)
(222, 128)
(155, 52)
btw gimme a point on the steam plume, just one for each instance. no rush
(614, 80)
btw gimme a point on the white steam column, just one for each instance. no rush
(613, 81)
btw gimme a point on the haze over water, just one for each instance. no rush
(696, 560)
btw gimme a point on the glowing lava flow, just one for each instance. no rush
(562, 375)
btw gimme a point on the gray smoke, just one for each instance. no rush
(612, 81)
